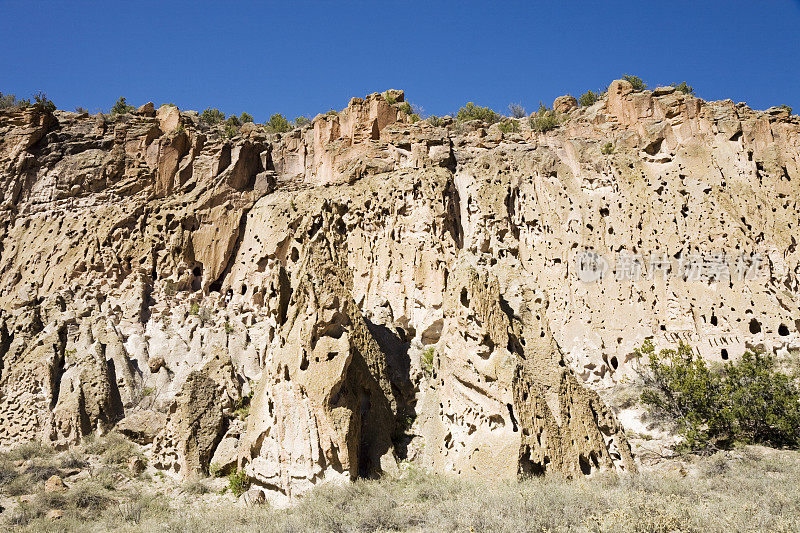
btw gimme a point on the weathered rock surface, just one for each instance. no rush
(384, 289)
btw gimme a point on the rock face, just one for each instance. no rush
(380, 289)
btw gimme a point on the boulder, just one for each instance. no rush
(146, 110)
(565, 104)
(142, 425)
(54, 484)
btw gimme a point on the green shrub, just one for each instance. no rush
(194, 309)
(230, 131)
(786, 107)
(81, 110)
(42, 102)
(636, 82)
(244, 118)
(9, 101)
(233, 121)
(435, 121)
(748, 401)
(544, 120)
(607, 149)
(517, 110)
(509, 126)
(588, 98)
(390, 99)
(474, 112)
(238, 482)
(277, 123)
(301, 121)
(122, 107)
(682, 87)
(212, 116)
(427, 359)
(405, 107)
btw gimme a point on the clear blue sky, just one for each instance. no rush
(299, 57)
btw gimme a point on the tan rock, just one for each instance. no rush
(55, 514)
(565, 104)
(141, 425)
(146, 110)
(54, 484)
(136, 466)
(169, 118)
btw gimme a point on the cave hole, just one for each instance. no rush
(724, 354)
(783, 330)
(755, 326)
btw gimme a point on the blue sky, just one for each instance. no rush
(300, 57)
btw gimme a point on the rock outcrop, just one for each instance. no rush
(384, 290)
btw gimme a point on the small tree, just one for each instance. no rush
(747, 401)
(301, 121)
(277, 123)
(122, 107)
(244, 118)
(588, 98)
(682, 87)
(212, 116)
(636, 82)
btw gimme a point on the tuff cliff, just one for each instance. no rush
(382, 289)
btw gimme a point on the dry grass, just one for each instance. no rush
(750, 489)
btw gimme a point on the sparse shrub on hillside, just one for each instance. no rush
(435, 121)
(682, 87)
(475, 112)
(390, 99)
(233, 120)
(212, 116)
(748, 401)
(607, 149)
(122, 107)
(244, 118)
(636, 82)
(405, 107)
(786, 107)
(588, 98)
(80, 109)
(517, 110)
(9, 101)
(544, 120)
(277, 123)
(509, 126)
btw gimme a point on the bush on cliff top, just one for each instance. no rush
(747, 401)
(475, 112)
(277, 123)
(636, 82)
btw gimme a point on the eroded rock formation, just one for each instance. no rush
(382, 289)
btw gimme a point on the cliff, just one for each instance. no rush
(379, 289)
